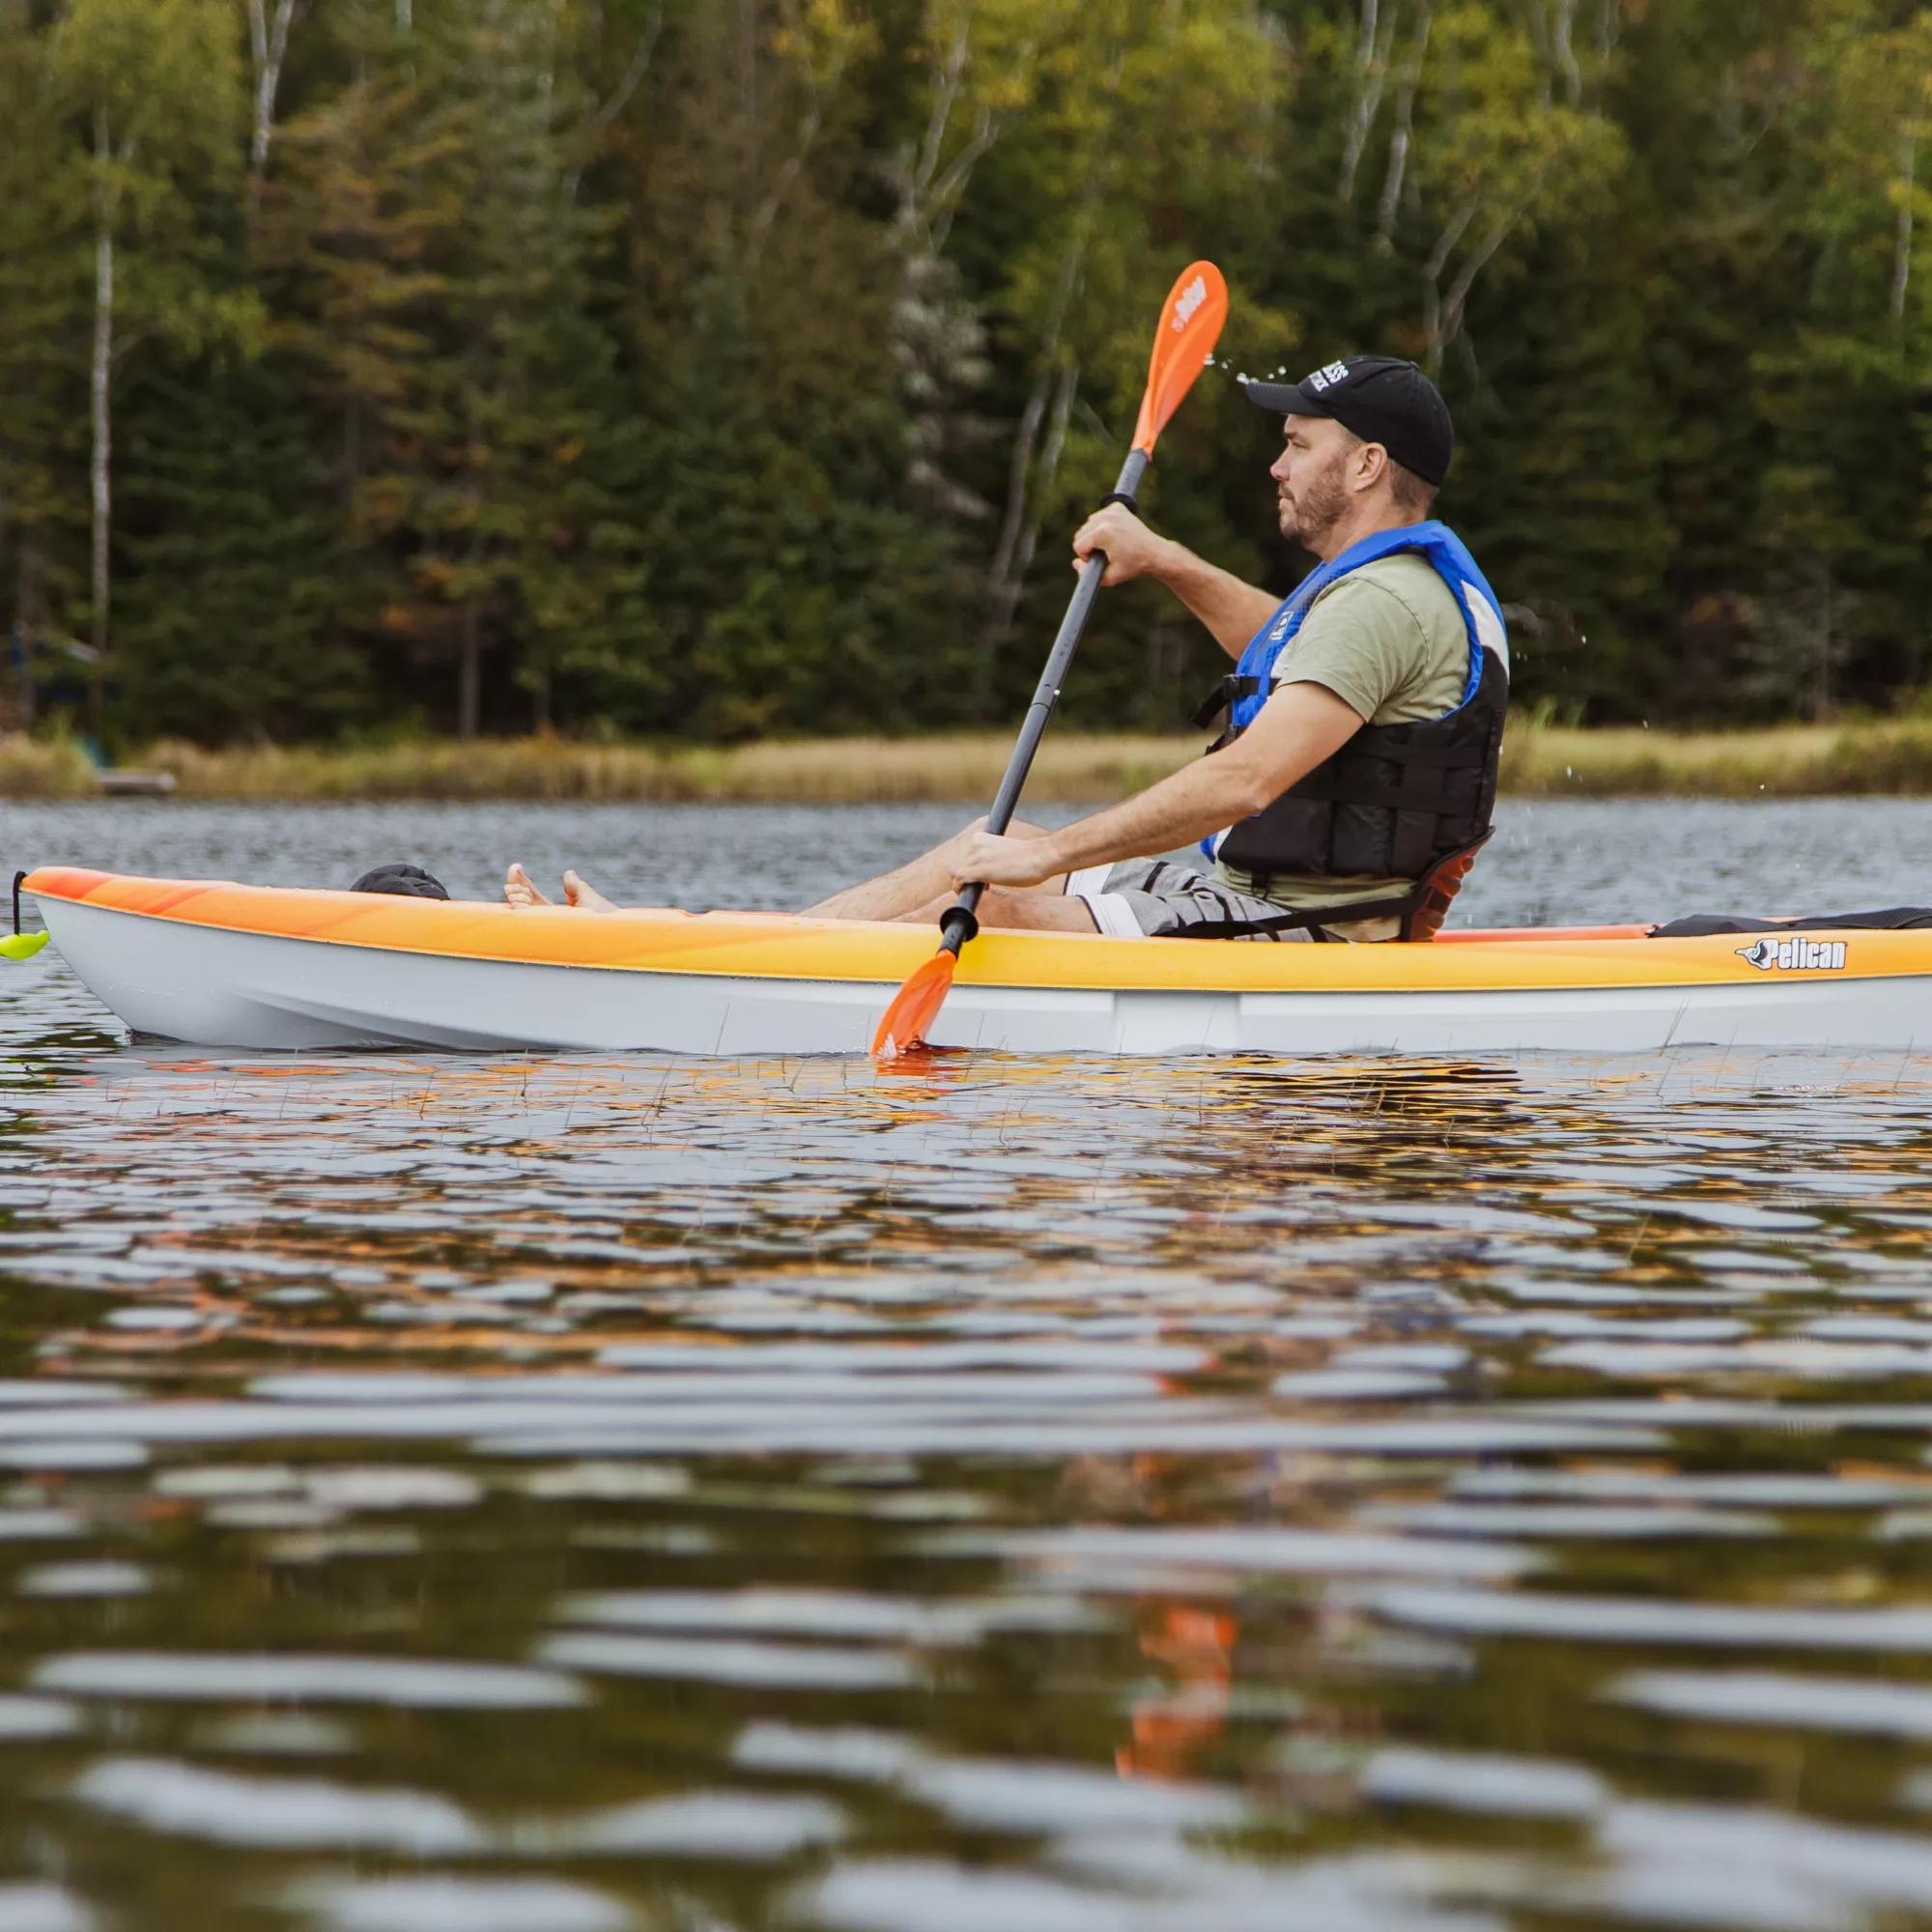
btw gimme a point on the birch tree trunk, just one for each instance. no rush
(936, 335)
(1007, 602)
(269, 44)
(1005, 575)
(946, 87)
(1002, 595)
(1372, 61)
(929, 197)
(605, 117)
(1404, 124)
(1431, 283)
(100, 389)
(1563, 51)
(1449, 326)
(1536, 24)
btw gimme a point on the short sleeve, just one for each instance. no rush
(1360, 640)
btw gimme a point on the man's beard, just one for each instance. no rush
(1315, 510)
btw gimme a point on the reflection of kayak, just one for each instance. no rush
(227, 965)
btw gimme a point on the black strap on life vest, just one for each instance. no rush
(1421, 909)
(1311, 920)
(1226, 695)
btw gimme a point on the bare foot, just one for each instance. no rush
(584, 895)
(519, 891)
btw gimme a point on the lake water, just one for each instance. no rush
(548, 1495)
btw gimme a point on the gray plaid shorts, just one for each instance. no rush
(1154, 898)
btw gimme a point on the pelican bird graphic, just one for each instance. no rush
(1762, 953)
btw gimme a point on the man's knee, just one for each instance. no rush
(1035, 909)
(1013, 909)
(928, 914)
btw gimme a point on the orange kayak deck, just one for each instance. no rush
(746, 945)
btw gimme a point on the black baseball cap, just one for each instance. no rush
(409, 882)
(1381, 398)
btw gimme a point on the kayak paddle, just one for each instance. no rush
(1190, 326)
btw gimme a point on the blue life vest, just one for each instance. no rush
(1396, 799)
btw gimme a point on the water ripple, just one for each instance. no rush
(566, 1493)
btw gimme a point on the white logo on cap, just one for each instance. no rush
(1328, 373)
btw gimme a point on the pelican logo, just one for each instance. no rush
(1795, 955)
(1191, 299)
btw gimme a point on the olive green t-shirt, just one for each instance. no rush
(1388, 639)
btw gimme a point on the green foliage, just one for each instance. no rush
(43, 286)
(153, 92)
(235, 618)
(655, 366)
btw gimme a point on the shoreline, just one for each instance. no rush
(1879, 758)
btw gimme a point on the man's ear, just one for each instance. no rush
(1371, 463)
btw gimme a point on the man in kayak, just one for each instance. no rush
(1365, 711)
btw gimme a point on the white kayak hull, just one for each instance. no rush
(216, 985)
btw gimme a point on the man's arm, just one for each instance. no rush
(1233, 610)
(1296, 728)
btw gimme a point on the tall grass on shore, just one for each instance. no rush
(1877, 757)
(30, 768)
(1539, 761)
(831, 771)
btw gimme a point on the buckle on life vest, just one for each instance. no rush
(1225, 695)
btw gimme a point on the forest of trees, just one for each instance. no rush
(725, 368)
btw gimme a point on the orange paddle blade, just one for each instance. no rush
(914, 1007)
(1190, 326)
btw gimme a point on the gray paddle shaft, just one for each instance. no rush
(960, 920)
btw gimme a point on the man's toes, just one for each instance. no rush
(519, 891)
(579, 893)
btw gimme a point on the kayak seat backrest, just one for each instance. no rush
(1429, 903)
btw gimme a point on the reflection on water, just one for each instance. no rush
(553, 1493)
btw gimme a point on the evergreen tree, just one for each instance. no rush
(235, 622)
(156, 86)
(42, 381)
(1845, 575)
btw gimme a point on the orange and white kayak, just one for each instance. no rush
(256, 966)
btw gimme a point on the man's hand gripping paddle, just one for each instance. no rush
(1190, 326)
